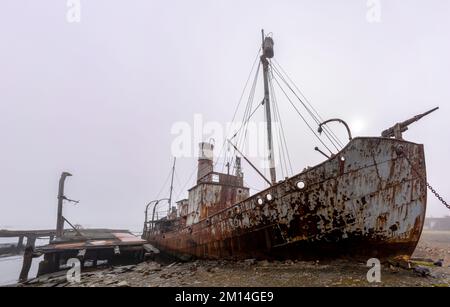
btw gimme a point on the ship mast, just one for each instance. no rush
(171, 186)
(267, 53)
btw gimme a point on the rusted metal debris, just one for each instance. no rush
(364, 202)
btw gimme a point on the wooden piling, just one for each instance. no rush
(27, 259)
(20, 244)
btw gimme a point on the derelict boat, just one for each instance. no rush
(366, 200)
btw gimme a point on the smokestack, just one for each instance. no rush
(238, 167)
(205, 160)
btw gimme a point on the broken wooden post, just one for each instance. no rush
(27, 259)
(20, 244)
(81, 254)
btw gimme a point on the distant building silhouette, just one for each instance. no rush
(440, 223)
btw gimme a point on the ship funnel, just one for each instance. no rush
(238, 167)
(205, 159)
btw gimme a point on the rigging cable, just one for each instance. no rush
(281, 125)
(164, 185)
(246, 118)
(281, 132)
(309, 111)
(246, 112)
(277, 120)
(251, 115)
(250, 103)
(303, 118)
(240, 100)
(317, 116)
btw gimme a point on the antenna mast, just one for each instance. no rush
(267, 49)
(171, 186)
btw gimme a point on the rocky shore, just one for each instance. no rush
(429, 269)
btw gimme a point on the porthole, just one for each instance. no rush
(260, 201)
(269, 197)
(301, 185)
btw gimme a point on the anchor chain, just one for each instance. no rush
(436, 194)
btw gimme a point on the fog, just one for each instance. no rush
(99, 97)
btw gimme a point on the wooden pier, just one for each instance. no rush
(27, 248)
(87, 245)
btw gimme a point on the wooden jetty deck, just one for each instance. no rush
(26, 233)
(30, 235)
(87, 245)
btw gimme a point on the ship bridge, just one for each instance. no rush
(214, 191)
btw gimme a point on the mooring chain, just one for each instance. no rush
(436, 194)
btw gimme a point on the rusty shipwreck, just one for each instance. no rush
(366, 200)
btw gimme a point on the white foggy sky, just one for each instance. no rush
(99, 98)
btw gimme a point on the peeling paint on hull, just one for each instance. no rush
(367, 201)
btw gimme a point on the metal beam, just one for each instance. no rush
(61, 197)
(251, 164)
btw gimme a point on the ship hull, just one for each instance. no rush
(367, 201)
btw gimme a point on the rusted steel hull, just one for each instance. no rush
(367, 201)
